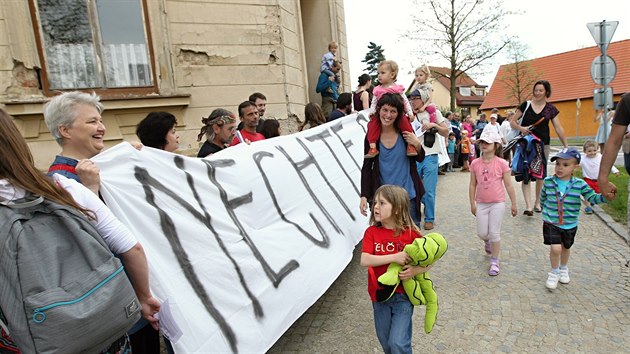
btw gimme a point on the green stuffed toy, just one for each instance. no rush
(423, 252)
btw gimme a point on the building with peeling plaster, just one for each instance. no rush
(185, 57)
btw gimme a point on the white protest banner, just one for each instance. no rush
(245, 241)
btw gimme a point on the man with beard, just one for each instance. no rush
(344, 107)
(249, 116)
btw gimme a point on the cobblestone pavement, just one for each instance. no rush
(512, 312)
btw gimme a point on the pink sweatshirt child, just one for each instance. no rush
(374, 125)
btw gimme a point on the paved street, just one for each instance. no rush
(512, 312)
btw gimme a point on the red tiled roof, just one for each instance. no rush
(569, 74)
(442, 75)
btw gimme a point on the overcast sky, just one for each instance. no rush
(546, 26)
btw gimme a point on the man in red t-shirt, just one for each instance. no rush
(248, 113)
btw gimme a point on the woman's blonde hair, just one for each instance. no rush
(425, 69)
(401, 215)
(393, 67)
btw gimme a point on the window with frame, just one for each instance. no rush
(464, 91)
(93, 44)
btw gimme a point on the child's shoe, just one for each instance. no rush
(371, 153)
(564, 276)
(411, 150)
(588, 210)
(494, 267)
(552, 281)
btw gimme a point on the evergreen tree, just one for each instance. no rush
(372, 58)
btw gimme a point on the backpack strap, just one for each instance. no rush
(529, 103)
(62, 167)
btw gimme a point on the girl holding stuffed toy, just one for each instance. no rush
(489, 179)
(392, 228)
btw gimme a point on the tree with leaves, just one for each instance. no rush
(374, 56)
(519, 76)
(465, 33)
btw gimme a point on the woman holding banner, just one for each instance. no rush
(20, 179)
(389, 166)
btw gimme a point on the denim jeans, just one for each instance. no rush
(414, 212)
(428, 171)
(392, 320)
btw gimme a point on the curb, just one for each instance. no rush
(618, 228)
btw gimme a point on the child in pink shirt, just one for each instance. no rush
(489, 175)
(387, 73)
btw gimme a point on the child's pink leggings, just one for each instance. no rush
(489, 220)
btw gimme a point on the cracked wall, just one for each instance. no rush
(24, 81)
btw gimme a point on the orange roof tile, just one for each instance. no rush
(569, 74)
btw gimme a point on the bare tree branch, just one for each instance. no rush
(518, 78)
(464, 33)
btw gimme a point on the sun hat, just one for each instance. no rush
(567, 153)
(490, 137)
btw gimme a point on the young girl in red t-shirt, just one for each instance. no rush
(383, 242)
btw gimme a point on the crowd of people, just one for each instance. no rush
(395, 220)
(407, 141)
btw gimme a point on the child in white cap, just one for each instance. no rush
(489, 180)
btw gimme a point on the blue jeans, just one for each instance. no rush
(414, 212)
(428, 171)
(392, 320)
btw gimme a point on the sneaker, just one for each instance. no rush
(487, 247)
(588, 210)
(371, 153)
(428, 225)
(564, 276)
(552, 281)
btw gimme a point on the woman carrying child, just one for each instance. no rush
(393, 165)
(387, 73)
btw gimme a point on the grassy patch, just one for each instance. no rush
(572, 141)
(618, 208)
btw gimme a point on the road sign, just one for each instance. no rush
(602, 32)
(602, 99)
(603, 70)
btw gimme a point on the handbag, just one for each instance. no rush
(513, 141)
(513, 133)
